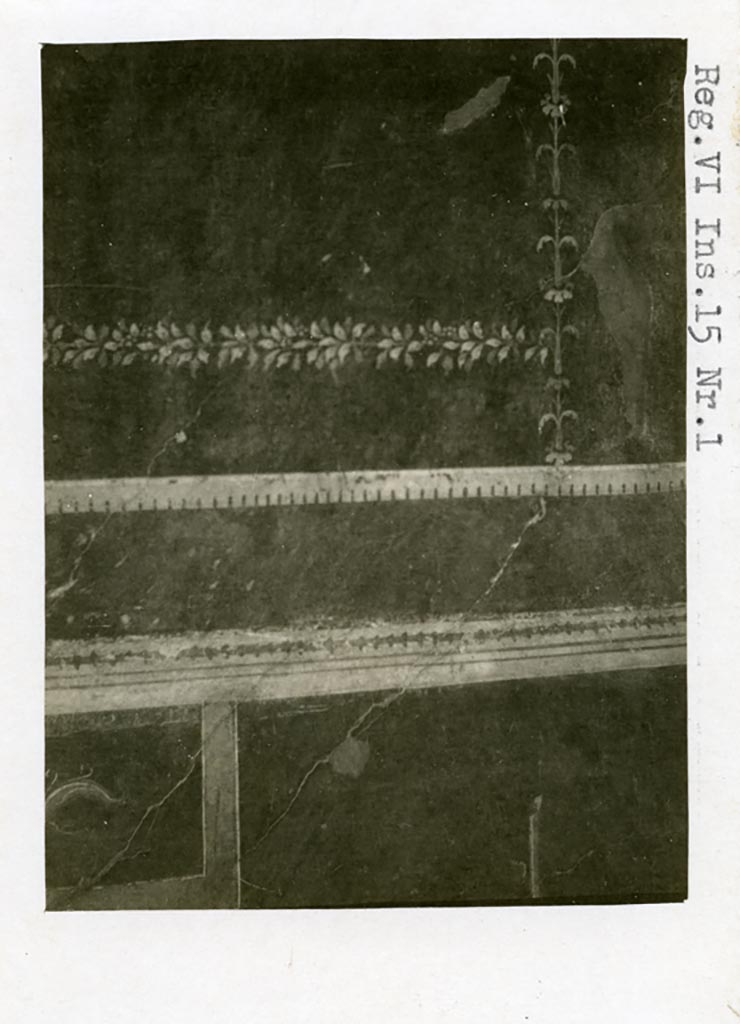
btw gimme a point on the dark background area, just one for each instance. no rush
(439, 814)
(224, 181)
(157, 572)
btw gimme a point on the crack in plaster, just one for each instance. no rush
(180, 436)
(147, 818)
(361, 724)
(73, 579)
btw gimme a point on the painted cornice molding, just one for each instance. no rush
(314, 661)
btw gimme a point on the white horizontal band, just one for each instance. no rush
(145, 494)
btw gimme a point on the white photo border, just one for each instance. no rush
(651, 963)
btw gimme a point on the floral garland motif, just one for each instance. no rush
(295, 344)
(557, 289)
(290, 344)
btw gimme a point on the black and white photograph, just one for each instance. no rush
(364, 403)
(369, 578)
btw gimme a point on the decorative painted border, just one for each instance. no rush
(557, 290)
(161, 494)
(223, 666)
(291, 344)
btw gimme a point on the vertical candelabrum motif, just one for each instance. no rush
(556, 287)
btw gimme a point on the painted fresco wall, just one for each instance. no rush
(320, 256)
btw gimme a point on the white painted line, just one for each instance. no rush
(157, 494)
